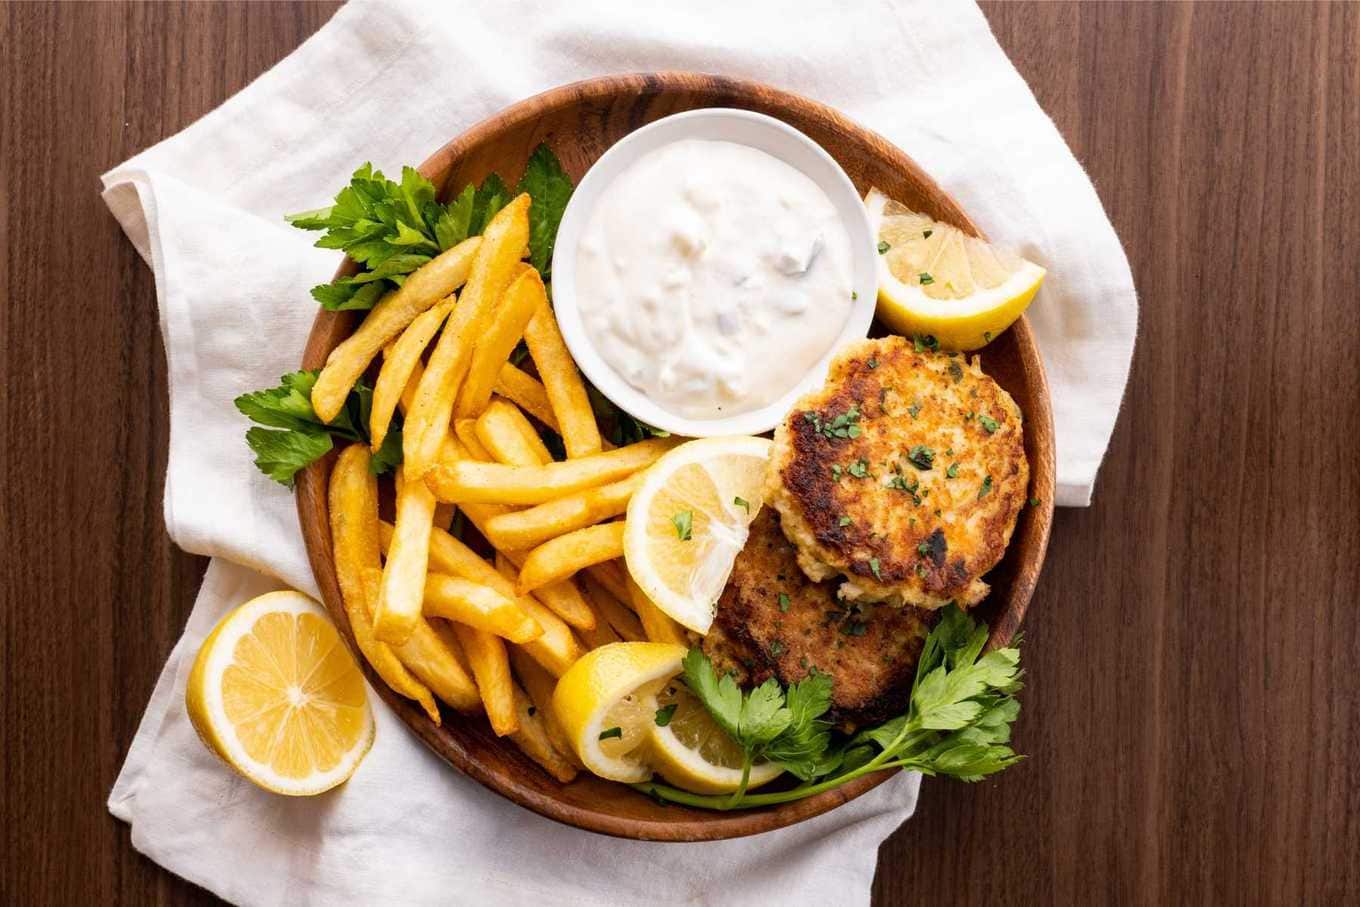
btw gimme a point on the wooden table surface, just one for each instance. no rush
(1192, 713)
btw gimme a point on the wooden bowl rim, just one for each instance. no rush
(311, 486)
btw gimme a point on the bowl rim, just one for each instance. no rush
(732, 124)
(328, 328)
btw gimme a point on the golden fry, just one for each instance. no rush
(491, 666)
(658, 625)
(557, 649)
(559, 558)
(566, 391)
(527, 392)
(428, 657)
(497, 259)
(610, 576)
(506, 434)
(599, 635)
(460, 481)
(430, 283)
(353, 499)
(465, 430)
(408, 393)
(403, 585)
(514, 309)
(400, 361)
(535, 740)
(522, 529)
(616, 614)
(539, 684)
(477, 605)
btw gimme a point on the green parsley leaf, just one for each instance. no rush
(955, 371)
(280, 454)
(1034, 502)
(783, 603)
(845, 521)
(684, 525)
(489, 199)
(664, 714)
(743, 503)
(872, 363)
(988, 423)
(926, 279)
(860, 469)
(952, 471)
(922, 343)
(926, 234)
(874, 568)
(921, 456)
(986, 487)
(550, 189)
(883, 247)
(612, 732)
(722, 697)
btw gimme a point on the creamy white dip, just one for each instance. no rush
(712, 276)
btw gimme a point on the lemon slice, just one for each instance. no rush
(696, 755)
(276, 694)
(606, 704)
(935, 279)
(689, 519)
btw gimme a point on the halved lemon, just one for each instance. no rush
(606, 704)
(276, 694)
(689, 519)
(696, 755)
(935, 279)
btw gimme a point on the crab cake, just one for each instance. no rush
(905, 473)
(773, 621)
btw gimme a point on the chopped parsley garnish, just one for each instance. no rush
(952, 471)
(853, 295)
(836, 471)
(927, 233)
(776, 648)
(915, 409)
(612, 732)
(923, 342)
(986, 487)
(955, 372)
(923, 549)
(664, 714)
(742, 502)
(1034, 502)
(988, 423)
(987, 336)
(899, 482)
(926, 279)
(873, 567)
(846, 425)
(860, 469)
(845, 521)
(883, 247)
(784, 603)
(684, 525)
(922, 457)
(872, 363)
(854, 627)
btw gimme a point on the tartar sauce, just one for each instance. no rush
(712, 276)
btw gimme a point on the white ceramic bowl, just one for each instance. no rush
(743, 127)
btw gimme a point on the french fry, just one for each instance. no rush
(539, 684)
(428, 657)
(403, 584)
(444, 630)
(602, 634)
(519, 530)
(526, 391)
(443, 515)
(430, 283)
(427, 424)
(461, 600)
(400, 361)
(491, 666)
(408, 393)
(616, 614)
(534, 739)
(353, 497)
(557, 649)
(465, 430)
(566, 391)
(521, 301)
(559, 558)
(463, 481)
(658, 625)
(505, 434)
(611, 577)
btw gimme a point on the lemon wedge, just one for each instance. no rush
(606, 705)
(688, 520)
(693, 753)
(935, 279)
(275, 693)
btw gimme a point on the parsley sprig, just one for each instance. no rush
(958, 723)
(288, 435)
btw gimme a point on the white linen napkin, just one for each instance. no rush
(390, 83)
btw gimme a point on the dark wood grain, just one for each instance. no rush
(578, 121)
(1192, 714)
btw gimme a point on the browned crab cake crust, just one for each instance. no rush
(773, 621)
(905, 473)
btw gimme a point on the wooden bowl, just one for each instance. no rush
(579, 122)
